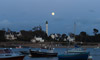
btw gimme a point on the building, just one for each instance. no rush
(37, 39)
(55, 36)
(71, 39)
(52, 36)
(10, 36)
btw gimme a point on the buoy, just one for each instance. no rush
(90, 58)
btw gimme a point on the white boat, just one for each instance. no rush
(8, 54)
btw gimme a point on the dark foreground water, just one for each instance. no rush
(95, 52)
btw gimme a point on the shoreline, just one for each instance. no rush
(39, 45)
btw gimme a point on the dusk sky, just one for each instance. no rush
(25, 14)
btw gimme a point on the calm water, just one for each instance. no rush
(93, 51)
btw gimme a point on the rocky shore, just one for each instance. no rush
(15, 44)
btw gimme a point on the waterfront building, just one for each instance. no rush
(71, 39)
(37, 39)
(65, 39)
(55, 36)
(10, 35)
(52, 36)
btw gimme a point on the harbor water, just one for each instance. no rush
(94, 52)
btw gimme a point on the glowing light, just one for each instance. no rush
(53, 13)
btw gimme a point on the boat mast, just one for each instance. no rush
(73, 36)
(74, 28)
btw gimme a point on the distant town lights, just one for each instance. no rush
(53, 13)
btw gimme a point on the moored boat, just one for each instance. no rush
(74, 56)
(43, 54)
(12, 58)
(7, 54)
(24, 52)
(17, 47)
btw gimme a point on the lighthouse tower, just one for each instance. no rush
(47, 27)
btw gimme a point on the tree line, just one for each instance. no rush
(38, 32)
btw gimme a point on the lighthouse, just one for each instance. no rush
(47, 28)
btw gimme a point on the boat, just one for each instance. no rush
(44, 47)
(47, 46)
(24, 52)
(74, 54)
(38, 53)
(97, 47)
(18, 47)
(8, 54)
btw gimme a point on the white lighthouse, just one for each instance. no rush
(47, 27)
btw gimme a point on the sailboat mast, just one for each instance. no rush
(74, 31)
(74, 28)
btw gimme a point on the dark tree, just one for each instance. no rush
(2, 35)
(83, 36)
(83, 33)
(96, 37)
(64, 35)
(95, 31)
(37, 28)
(26, 35)
(71, 35)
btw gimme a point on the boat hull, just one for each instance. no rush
(13, 58)
(42, 54)
(24, 52)
(80, 56)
